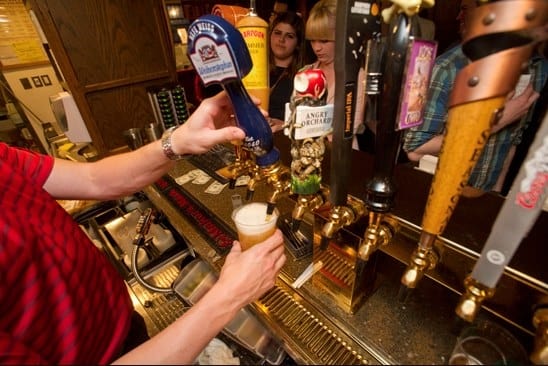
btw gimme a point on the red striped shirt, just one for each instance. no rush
(61, 301)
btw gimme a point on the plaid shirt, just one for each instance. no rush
(488, 168)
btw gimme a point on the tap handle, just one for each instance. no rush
(479, 94)
(220, 55)
(380, 189)
(350, 42)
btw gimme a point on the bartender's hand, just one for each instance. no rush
(246, 275)
(212, 123)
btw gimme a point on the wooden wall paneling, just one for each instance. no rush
(109, 52)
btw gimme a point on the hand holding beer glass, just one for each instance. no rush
(253, 224)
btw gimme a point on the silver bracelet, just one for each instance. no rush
(168, 147)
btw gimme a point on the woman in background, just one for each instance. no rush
(286, 57)
(320, 31)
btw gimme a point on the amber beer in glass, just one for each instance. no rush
(253, 224)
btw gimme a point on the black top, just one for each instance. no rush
(281, 87)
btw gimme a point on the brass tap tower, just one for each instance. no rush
(244, 164)
(476, 102)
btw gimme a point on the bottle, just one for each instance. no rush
(254, 30)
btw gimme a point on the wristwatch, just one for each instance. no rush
(167, 147)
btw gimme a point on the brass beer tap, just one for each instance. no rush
(243, 165)
(539, 355)
(339, 217)
(474, 295)
(278, 178)
(387, 60)
(518, 214)
(377, 234)
(307, 202)
(350, 41)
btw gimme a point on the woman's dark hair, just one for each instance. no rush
(295, 21)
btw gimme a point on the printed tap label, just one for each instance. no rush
(313, 121)
(213, 62)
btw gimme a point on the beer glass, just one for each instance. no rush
(253, 224)
(487, 343)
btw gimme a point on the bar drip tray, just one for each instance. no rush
(195, 279)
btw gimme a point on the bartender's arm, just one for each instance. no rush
(123, 174)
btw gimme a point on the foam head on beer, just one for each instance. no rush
(253, 223)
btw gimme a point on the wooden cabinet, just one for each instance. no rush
(109, 52)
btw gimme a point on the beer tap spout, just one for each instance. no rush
(307, 202)
(424, 258)
(278, 178)
(470, 302)
(378, 233)
(339, 217)
(256, 177)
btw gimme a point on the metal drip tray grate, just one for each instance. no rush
(336, 268)
(321, 339)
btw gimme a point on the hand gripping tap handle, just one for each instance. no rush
(219, 55)
(499, 41)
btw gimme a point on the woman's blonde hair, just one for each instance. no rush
(320, 25)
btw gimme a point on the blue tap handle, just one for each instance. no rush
(219, 55)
